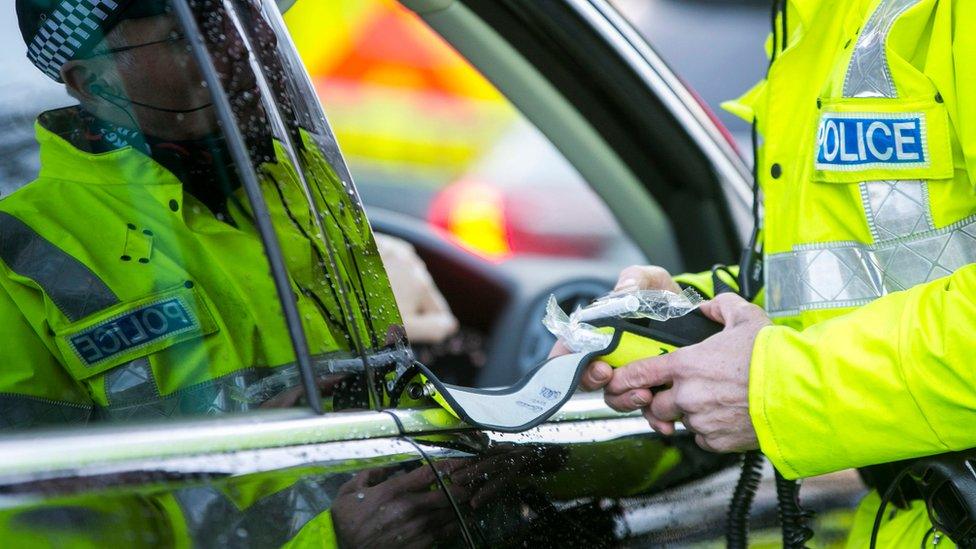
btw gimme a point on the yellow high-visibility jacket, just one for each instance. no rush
(868, 166)
(123, 296)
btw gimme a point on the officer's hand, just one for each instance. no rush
(635, 277)
(506, 471)
(709, 382)
(375, 509)
(646, 277)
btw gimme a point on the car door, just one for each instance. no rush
(589, 477)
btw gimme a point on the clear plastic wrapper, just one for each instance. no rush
(579, 336)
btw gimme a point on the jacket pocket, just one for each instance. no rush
(134, 329)
(882, 139)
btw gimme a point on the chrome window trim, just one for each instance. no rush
(63, 449)
(582, 407)
(140, 471)
(735, 175)
(242, 442)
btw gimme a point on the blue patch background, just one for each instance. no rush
(132, 330)
(882, 142)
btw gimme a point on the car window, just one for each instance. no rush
(428, 136)
(147, 241)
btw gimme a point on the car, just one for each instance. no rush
(364, 473)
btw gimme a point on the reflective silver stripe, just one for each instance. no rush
(131, 383)
(133, 393)
(217, 396)
(896, 209)
(214, 520)
(72, 286)
(24, 411)
(868, 74)
(849, 274)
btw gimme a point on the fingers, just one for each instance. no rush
(596, 376)
(497, 484)
(362, 480)
(664, 408)
(731, 310)
(418, 480)
(628, 401)
(559, 349)
(646, 277)
(480, 470)
(436, 531)
(643, 374)
(417, 532)
(663, 427)
(703, 443)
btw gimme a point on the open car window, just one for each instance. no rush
(429, 137)
(185, 240)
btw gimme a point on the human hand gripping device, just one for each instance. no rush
(618, 329)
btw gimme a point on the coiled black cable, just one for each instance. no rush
(737, 520)
(792, 516)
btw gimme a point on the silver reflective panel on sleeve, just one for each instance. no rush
(850, 274)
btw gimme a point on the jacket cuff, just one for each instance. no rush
(759, 387)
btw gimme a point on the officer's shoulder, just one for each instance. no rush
(42, 194)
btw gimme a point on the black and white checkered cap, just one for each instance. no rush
(71, 27)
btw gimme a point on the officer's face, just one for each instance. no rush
(162, 74)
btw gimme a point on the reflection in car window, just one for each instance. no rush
(575, 485)
(133, 281)
(339, 499)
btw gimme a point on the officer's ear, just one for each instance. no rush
(80, 77)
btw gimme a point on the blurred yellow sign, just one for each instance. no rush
(396, 94)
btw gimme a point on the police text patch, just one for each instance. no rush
(134, 329)
(862, 141)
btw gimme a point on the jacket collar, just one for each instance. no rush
(65, 155)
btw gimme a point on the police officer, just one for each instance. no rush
(862, 351)
(132, 278)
